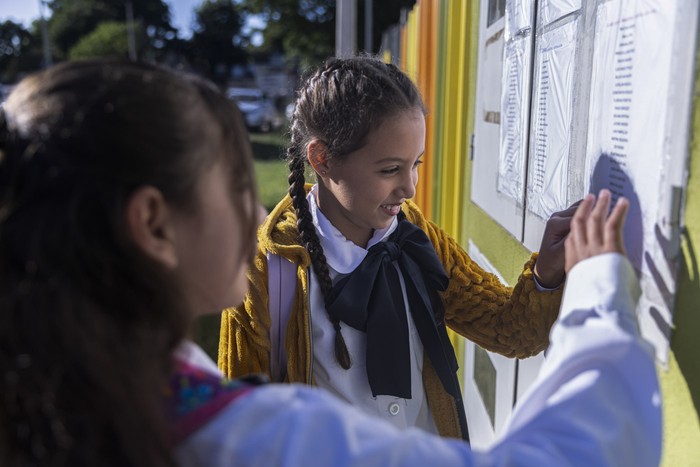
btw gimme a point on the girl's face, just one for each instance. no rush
(364, 191)
(211, 261)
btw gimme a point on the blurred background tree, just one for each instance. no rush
(20, 51)
(304, 30)
(217, 43)
(108, 39)
(73, 20)
(300, 32)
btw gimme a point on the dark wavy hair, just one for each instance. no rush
(88, 322)
(340, 104)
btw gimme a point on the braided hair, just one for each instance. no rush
(340, 104)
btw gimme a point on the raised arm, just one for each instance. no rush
(514, 322)
(596, 400)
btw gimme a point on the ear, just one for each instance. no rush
(150, 224)
(317, 154)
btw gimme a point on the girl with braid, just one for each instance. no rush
(373, 284)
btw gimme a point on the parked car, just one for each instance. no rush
(259, 112)
(289, 110)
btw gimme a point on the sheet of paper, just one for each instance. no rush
(518, 16)
(626, 132)
(552, 10)
(514, 117)
(551, 120)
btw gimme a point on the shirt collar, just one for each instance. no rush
(341, 254)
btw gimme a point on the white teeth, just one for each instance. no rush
(392, 209)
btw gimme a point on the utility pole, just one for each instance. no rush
(130, 30)
(46, 46)
(369, 25)
(345, 28)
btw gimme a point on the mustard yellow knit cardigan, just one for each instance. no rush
(514, 322)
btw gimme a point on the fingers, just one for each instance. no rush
(593, 231)
(559, 223)
(596, 221)
(568, 212)
(578, 221)
(576, 243)
(613, 227)
(558, 227)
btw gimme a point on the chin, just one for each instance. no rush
(384, 223)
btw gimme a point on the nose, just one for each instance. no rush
(408, 184)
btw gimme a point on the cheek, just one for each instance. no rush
(240, 286)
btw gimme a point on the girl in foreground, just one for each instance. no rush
(127, 209)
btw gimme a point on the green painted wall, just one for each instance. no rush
(681, 382)
(504, 251)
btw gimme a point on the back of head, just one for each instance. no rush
(87, 321)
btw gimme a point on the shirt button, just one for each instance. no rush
(394, 408)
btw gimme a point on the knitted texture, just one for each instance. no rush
(244, 344)
(513, 322)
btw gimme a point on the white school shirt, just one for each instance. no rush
(596, 402)
(352, 385)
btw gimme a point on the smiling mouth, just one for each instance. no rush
(391, 209)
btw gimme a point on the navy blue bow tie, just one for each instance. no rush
(370, 299)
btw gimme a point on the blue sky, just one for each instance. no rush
(25, 11)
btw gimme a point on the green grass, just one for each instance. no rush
(272, 181)
(206, 334)
(278, 138)
(270, 167)
(269, 146)
(271, 173)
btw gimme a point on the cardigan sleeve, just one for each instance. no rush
(514, 322)
(244, 344)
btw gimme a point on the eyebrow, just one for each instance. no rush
(396, 159)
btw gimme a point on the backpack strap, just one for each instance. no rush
(195, 396)
(282, 281)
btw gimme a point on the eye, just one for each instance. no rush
(390, 170)
(417, 163)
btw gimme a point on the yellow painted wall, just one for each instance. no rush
(454, 136)
(444, 96)
(418, 39)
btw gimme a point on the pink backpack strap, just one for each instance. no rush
(194, 397)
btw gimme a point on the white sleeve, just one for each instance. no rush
(294, 425)
(595, 403)
(596, 400)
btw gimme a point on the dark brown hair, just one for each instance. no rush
(340, 104)
(88, 323)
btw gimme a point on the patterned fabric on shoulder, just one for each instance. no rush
(195, 396)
